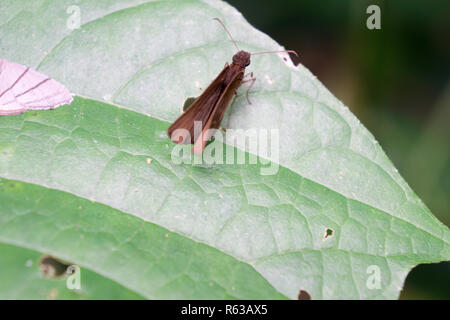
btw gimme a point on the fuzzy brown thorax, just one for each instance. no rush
(242, 58)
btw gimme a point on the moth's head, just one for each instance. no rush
(242, 58)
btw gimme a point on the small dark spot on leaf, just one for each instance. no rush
(284, 58)
(5, 153)
(328, 233)
(188, 102)
(210, 141)
(52, 267)
(12, 185)
(303, 295)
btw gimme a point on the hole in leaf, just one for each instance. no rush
(328, 233)
(52, 267)
(187, 103)
(303, 295)
(209, 142)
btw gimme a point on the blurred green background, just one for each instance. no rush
(395, 80)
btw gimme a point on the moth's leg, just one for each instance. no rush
(248, 74)
(231, 108)
(252, 79)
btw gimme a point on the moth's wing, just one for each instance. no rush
(22, 89)
(215, 118)
(225, 99)
(199, 110)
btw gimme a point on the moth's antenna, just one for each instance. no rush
(226, 30)
(289, 51)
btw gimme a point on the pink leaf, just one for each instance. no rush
(22, 89)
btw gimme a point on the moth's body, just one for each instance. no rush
(210, 106)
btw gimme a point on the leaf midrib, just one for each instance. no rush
(439, 238)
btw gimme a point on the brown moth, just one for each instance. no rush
(209, 108)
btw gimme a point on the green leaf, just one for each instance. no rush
(77, 182)
(21, 279)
